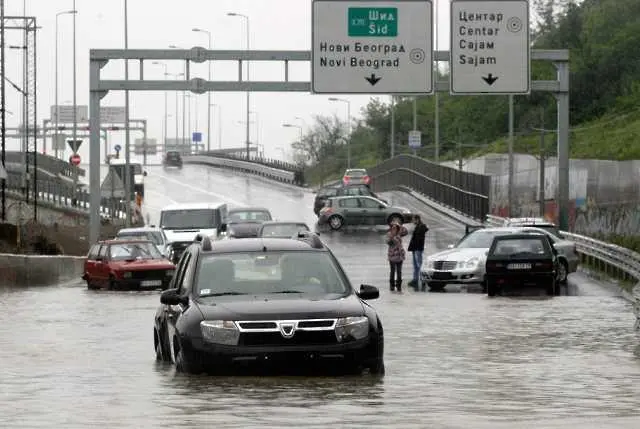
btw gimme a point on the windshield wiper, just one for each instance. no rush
(222, 294)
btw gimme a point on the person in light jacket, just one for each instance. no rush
(395, 255)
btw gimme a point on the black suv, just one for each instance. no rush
(267, 304)
(340, 191)
(172, 159)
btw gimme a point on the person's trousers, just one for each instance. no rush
(417, 265)
(395, 275)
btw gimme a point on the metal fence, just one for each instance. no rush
(467, 193)
(47, 163)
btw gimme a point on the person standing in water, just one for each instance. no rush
(395, 255)
(416, 247)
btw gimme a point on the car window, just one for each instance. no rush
(312, 273)
(282, 230)
(349, 203)
(328, 192)
(133, 251)
(102, 253)
(249, 215)
(356, 173)
(183, 263)
(355, 190)
(512, 247)
(479, 239)
(369, 203)
(93, 252)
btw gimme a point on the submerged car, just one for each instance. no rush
(517, 261)
(282, 229)
(266, 304)
(126, 265)
(358, 211)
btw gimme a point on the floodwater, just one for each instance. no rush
(73, 358)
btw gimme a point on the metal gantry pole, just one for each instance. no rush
(127, 131)
(511, 184)
(3, 112)
(75, 106)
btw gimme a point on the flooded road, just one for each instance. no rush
(73, 358)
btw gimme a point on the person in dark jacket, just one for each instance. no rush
(416, 247)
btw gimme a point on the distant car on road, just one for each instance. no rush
(266, 304)
(154, 234)
(515, 261)
(127, 265)
(281, 229)
(357, 211)
(172, 158)
(356, 176)
(244, 222)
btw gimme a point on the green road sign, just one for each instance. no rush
(373, 22)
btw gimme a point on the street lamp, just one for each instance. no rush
(176, 76)
(342, 100)
(208, 33)
(219, 107)
(67, 12)
(164, 125)
(184, 101)
(246, 18)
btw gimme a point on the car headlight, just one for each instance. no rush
(428, 265)
(220, 332)
(352, 328)
(469, 264)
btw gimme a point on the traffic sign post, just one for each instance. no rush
(490, 48)
(74, 145)
(75, 159)
(415, 139)
(372, 47)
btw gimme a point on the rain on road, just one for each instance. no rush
(76, 359)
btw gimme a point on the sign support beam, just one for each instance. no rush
(99, 88)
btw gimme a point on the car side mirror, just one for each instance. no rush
(223, 227)
(368, 292)
(450, 246)
(172, 297)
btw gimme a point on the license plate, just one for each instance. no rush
(519, 266)
(149, 283)
(441, 275)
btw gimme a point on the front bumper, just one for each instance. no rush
(521, 280)
(141, 284)
(457, 276)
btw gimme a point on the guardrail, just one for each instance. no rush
(60, 196)
(46, 163)
(611, 259)
(290, 177)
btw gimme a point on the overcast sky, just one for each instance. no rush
(156, 24)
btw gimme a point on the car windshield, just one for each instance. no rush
(283, 230)
(519, 246)
(188, 219)
(479, 239)
(356, 173)
(133, 251)
(276, 272)
(154, 236)
(249, 215)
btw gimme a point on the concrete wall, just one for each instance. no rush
(47, 213)
(28, 270)
(605, 195)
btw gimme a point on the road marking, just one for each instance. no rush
(201, 190)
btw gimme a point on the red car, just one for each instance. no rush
(127, 264)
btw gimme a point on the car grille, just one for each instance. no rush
(445, 265)
(149, 275)
(306, 333)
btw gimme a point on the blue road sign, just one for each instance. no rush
(197, 137)
(117, 148)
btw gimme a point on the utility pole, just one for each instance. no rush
(393, 126)
(510, 190)
(543, 156)
(127, 138)
(3, 111)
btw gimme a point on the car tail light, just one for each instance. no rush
(493, 265)
(367, 179)
(544, 265)
(345, 179)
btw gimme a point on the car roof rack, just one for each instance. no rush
(204, 240)
(309, 237)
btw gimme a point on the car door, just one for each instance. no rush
(90, 263)
(102, 266)
(372, 211)
(181, 281)
(350, 210)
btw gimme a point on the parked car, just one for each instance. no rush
(357, 190)
(341, 211)
(356, 176)
(322, 195)
(154, 234)
(245, 222)
(521, 260)
(172, 158)
(125, 265)
(534, 222)
(568, 257)
(282, 304)
(281, 229)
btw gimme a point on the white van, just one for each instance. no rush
(182, 222)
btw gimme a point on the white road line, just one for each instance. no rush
(202, 191)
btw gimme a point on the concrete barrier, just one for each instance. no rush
(39, 270)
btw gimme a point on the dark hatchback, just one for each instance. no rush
(245, 222)
(282, 305)
(521, 261)
(172, 158)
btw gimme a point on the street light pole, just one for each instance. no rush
(348, 127)
(56, 135)
(247, 130)
(166, 119)
(127, 134)
(75, 106)
(217, 106)
(208, 33)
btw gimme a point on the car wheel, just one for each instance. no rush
(186, 363)
(436, 287)
(395, 219)
(91, 286)
(563, 271)
(336, 222)
(492, 289)
(377, 368)
(163, 354)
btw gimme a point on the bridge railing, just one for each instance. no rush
(45, 162)
(614, 260)
(61, 196)
(256, 159)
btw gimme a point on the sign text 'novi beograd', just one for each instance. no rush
(490, 47)
(359, 47)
